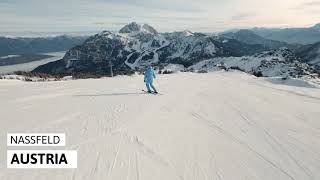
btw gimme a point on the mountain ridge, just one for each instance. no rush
(20, 45)
(310, 54)
(308, 35)
(133, 48)
(250, 37)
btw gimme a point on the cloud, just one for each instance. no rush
(170, 5)
(164, 15)
(242, 16)
(309, 5)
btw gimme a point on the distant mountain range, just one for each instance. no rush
(136, 46)
(280, 62)
(17, 46)
(310, 54)
(291, 35)
(250, 37)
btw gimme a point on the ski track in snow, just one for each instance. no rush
(155, 58)
(205, 126)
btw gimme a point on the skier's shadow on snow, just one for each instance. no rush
(108, 94)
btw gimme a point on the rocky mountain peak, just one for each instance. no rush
(134, 27)
(187, 33)
(149, 28)
(137, 46)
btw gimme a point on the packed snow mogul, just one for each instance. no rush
(149, 75)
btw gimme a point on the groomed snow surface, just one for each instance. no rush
(215, 126)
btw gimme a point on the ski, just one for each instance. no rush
(150, 92)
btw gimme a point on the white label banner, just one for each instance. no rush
(41, 159)
(36, 139)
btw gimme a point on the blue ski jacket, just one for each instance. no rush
(149, 75)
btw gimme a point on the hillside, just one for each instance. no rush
(203, 126)
(305, 36)
(310, 54)
(24, 45)
(281, 62)
(249, 37)
(136, 46)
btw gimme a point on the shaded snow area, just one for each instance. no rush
(270, 66)
(224, 126)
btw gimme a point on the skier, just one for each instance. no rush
(149, 75)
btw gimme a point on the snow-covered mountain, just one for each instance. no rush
(310, 54)
(134, 27)
(281, 62)
(307, 35)
(249, 37)
(136, 46)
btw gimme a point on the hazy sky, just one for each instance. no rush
(164, 15)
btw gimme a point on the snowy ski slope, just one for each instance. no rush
(222, 126)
